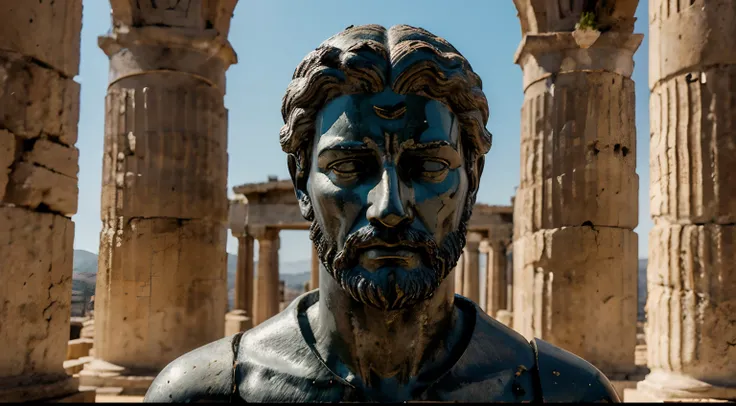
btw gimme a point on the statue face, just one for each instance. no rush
(388, 186)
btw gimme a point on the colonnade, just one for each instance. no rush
(161, 287)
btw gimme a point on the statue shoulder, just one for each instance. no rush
(203, 374)
(565, 377)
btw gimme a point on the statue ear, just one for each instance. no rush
(299, 179)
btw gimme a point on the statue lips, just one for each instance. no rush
(374, 248)
(377, 256)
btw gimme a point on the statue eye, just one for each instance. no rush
(433, 166)
(347, 167)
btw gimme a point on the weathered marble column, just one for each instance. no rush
(691, 277)
(162, 280)
(266, 303)
(459, 274)
(240, 317)
(39, 110)
(575, 251)
(244, 278)
(471, 265)
(496, 282)
(314, 276)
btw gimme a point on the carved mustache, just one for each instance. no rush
(371, 236)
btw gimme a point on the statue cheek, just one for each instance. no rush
(447, 191)
(438, 203)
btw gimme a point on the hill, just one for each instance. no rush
(293, 273)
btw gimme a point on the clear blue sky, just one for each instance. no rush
(272, 36)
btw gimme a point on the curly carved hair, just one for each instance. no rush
(366, 59)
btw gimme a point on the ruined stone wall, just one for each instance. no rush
(39, 110)
(691, 306)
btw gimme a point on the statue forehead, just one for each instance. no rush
(385, 107)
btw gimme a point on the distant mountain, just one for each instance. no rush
(293, 273)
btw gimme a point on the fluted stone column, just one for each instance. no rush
(471, 264)
(460, 274)
(575, 252)
(244, 276)
(496, 282)
(240, 317)
(162, 280)
(39, 110)
(314, 276)
(691, 277)
(266, 304)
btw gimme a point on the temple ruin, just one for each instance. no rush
(560, 261)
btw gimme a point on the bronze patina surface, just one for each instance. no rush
(385, 136)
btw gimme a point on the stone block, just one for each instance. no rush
(543, 56)
(633, 395)
(692, 149)
(55, 157)
(83, 396)
(115, 380)
(35, 100)
(672, 387)
(686, 36)
(574, 120)
(88, 329)
(162, 286)
(74, 366)
(34, 186)
(42, 388)
(48, 31)
(36, 272)
(169, 144)
(576, 288)
(691, 302)
(578, 151)
(79, 348)
(237, 321)
(588, 196)
(7, 157)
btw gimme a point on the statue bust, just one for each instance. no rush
(385, 138)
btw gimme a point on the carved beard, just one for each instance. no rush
(390, 288)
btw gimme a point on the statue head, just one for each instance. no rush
(385, 135)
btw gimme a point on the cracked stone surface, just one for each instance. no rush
(575, 252)
(691, 276)
(570, 287)
(167, 291)
(162, 287)
(35, 293)
(39, 110)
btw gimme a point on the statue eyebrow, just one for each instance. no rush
(333, 151)
(420, 146)
(390, 112)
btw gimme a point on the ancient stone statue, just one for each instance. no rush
(385, 136)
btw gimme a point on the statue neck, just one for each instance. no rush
(385, 347)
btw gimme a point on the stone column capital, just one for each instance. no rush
(541, 56)
(204, 54)
(238, 217)
(490, 245)
(264, 234)
(484, 247)
(472, 240)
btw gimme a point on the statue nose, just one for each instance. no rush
(386, 204)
